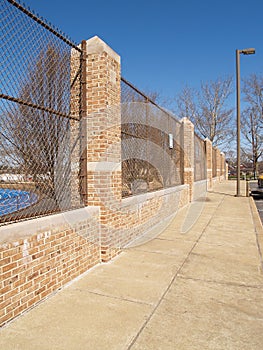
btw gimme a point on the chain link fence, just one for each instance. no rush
(43, 135)
(199, 159)
(39, 116)
(151, 151)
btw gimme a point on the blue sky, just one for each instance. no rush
(165, 45)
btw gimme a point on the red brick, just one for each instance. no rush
(6, 318)
(9, 294)
(5, 261)
(12, 306)
(9, 266)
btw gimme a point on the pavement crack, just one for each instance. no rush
(113, 297)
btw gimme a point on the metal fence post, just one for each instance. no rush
(83, 124)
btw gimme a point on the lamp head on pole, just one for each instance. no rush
(250, 51)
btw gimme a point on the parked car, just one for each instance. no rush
(257, 191)
(260, 181)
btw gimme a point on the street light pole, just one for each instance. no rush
(238, 119)
(238, 52)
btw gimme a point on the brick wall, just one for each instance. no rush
(145, 211)
(40, 256)
(200, 189)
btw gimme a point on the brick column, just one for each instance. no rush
(218, 164)
(187, 142)
(223, 169)
(104, 139)
(226, 171)
(209, 163)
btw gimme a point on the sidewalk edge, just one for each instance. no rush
(258, 228)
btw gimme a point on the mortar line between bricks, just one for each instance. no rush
(175, 276)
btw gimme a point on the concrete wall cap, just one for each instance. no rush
(104, 166)
(96, 45)
(25, 229)
(186, 121)
(144, 197)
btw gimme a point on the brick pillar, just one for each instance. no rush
(187, 142)
(218, 164)
(223, 168)
(209, 163)
(226, 170)
(104, 139)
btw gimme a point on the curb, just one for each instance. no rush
(256, 217)
(258, 228)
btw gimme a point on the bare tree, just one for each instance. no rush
(231, 158)
(252, 120)
(186, 103)
(154, 95)
(208, 110)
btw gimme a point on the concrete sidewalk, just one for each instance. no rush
(201, 289)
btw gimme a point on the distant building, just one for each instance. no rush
(12, 177)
